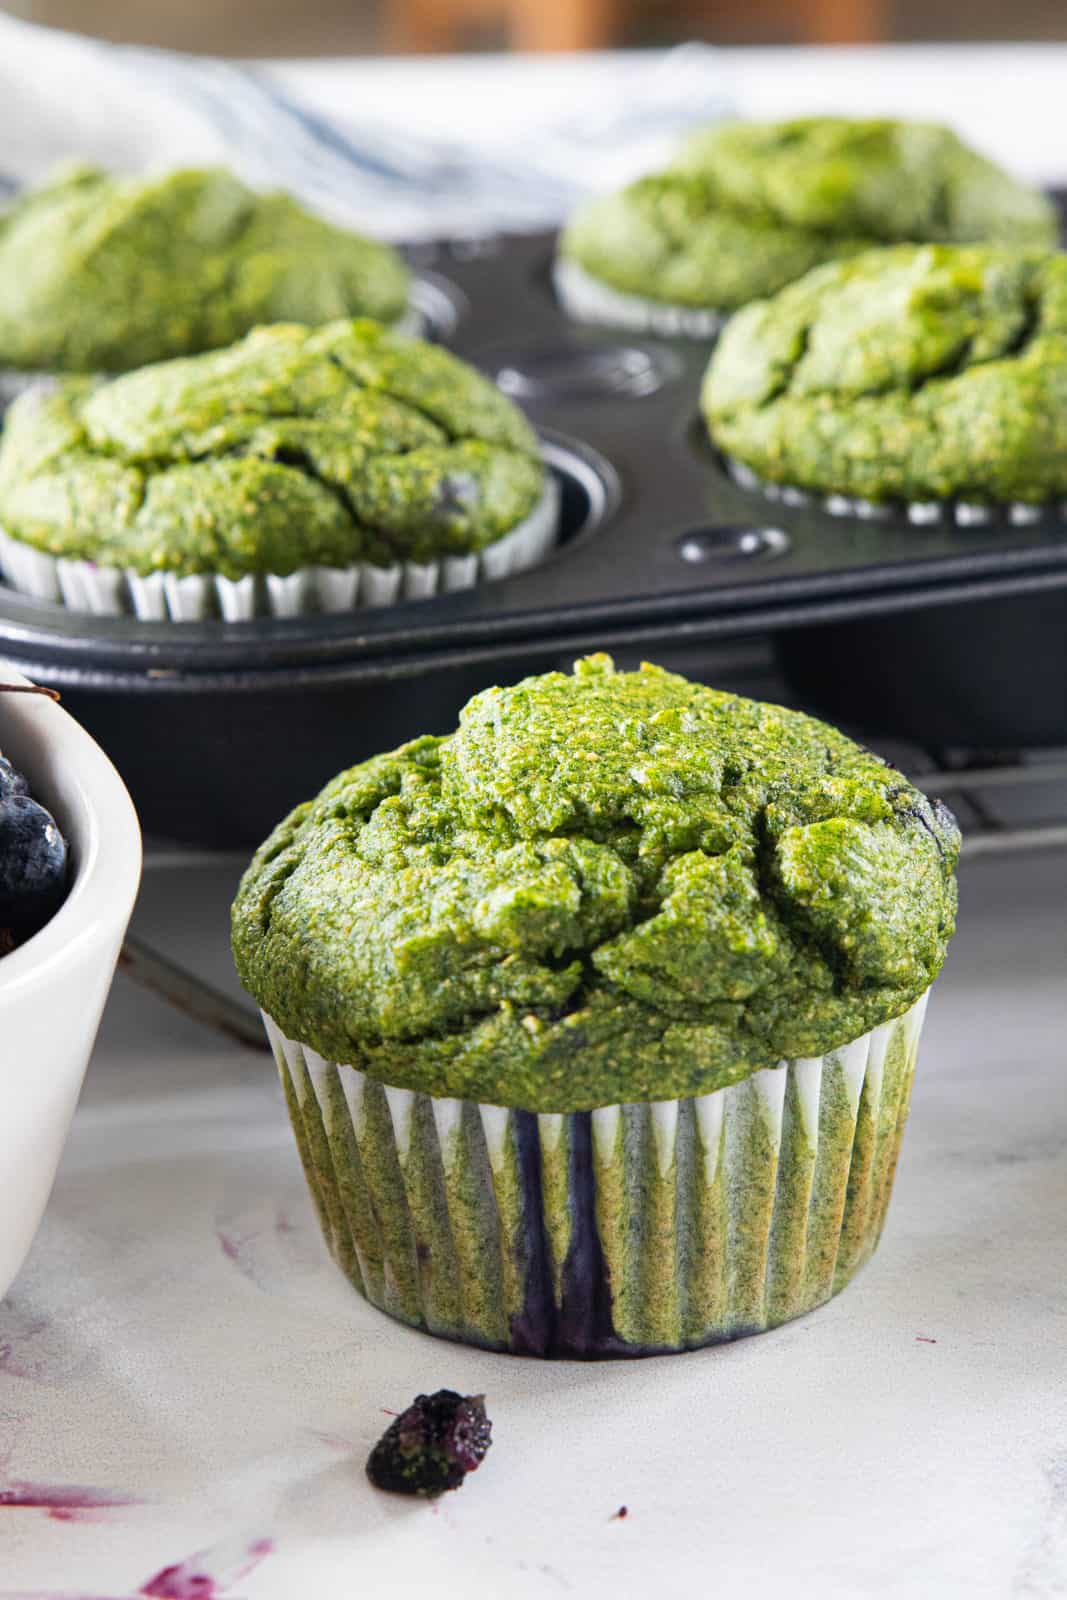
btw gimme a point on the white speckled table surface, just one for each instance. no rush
(180, 1344)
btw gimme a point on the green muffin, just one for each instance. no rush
(915, 373)
(746, 208)
(710, 923)
(102, 274)
(337, 448)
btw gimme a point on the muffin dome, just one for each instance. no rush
(101, 274)
(601, 888)
(913, 373)
(883, 180)
(749, 207)
(294, 448)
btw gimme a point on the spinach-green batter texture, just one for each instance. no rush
(102, 274)
(748, 207)
(605, 887)
(293, 448)
(913, 373)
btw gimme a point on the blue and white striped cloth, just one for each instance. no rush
(64, 96)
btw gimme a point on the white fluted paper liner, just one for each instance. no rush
(413, 322)
(922, 513)
(587, 299)
(622, 1231)
(158, 596)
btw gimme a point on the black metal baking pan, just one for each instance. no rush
(948, 640)
(218, 727)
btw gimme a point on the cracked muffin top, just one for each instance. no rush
(603, 887)
(748, 207)
(102, 274)
(294, 448)
(914, 373)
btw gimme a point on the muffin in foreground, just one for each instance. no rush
(597, 1018)
(747, 208)
(102, 274)
(915, 374)
(299, 469)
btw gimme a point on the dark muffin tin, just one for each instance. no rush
(944, 631)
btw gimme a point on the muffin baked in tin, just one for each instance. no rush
(100, 273)
(298, 469)
(921, 375)
(747, 208)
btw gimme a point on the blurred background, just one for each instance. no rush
(359, 27)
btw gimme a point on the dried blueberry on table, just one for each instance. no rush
(33, 862)
(432, 1445)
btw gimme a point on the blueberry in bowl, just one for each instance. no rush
(34, 860)
(70, 862)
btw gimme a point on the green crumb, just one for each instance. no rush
(101, 274)
(915, 373)
(749, 207)
(296, 447)
(603, 888)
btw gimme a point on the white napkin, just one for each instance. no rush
(64, 96)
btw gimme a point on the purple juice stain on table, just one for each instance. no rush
(194, 1580)
(232, 1247)
(244, 1249)
(252, 1243)
(65, 1502)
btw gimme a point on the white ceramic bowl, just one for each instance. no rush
(53, 988)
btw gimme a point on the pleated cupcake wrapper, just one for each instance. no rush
(588, 300)
(618, 1232)
(158, 596)
(413, 322)
(923, 513)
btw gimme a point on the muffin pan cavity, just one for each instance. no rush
(76, 605)
(438, 308)
(570, 372)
